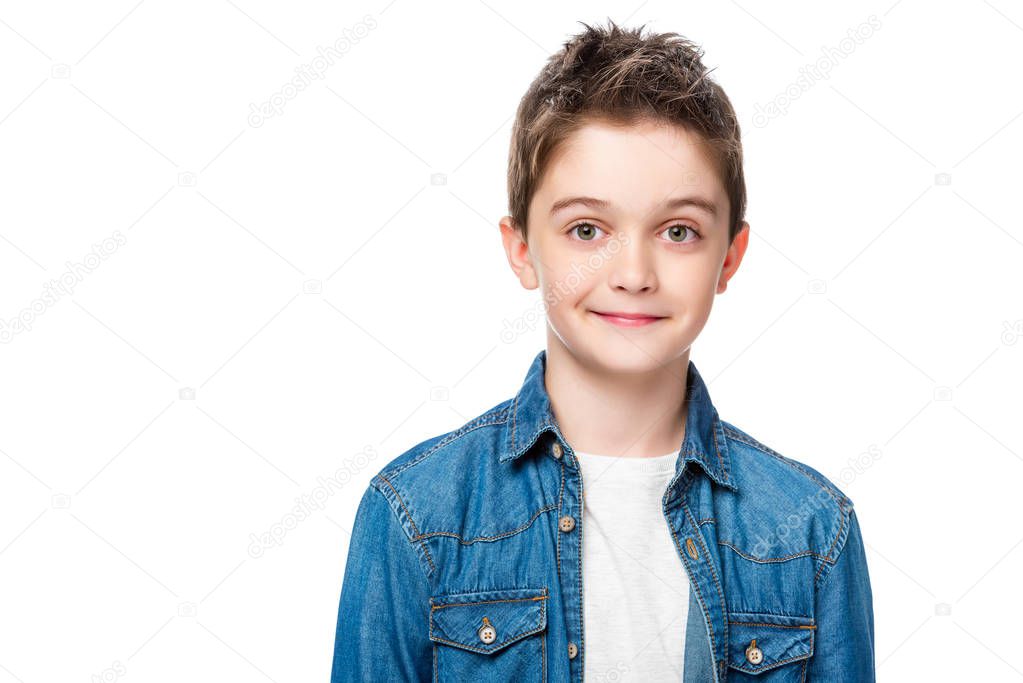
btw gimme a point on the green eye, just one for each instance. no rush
(585, 231)
(679, 231)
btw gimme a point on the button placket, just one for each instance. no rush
(702, 572)
(570, 559)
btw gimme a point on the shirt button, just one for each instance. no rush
(487, 633)
(566, 523)
(572, 650)
(557, 450)
(754, 655)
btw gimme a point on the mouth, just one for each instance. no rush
(626, 319)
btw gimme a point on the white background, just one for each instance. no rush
(329, 305)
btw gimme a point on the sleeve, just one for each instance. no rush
(383, 616)
(844, 641)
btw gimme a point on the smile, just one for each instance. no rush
(628, 319)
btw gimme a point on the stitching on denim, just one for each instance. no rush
(561, 502)
(840, 499)
(695, 586)
(541, 591)
(579, 575)
(806, 627)
(486, 602)
(543, 658)
(411, 521)
(745, 669)
(503, 534)
(514, 420)
(708, 520)
(841, 527)
(784, 558)
(492, 417)
(717, 451)
(772, 614)
(540, 627)
(494, 648)
(767, 450)
(805, 658)
(710, 568)
(536, 435)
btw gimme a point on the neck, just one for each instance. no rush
(614, 413)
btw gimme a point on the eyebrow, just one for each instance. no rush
(675, 203)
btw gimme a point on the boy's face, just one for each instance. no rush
(631, 251)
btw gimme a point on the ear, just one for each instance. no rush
(517, 251)
(733, 257)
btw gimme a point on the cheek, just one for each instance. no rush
(566, 278)
(687, 278)
(692, 285)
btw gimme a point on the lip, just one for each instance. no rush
(625, 319)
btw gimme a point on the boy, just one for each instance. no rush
(707, 556)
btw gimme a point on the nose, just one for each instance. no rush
(632, 268)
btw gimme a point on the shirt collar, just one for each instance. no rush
(531, 416)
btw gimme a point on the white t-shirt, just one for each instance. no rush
(635, 587)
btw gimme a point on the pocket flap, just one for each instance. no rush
(486, 621)
(760, 642)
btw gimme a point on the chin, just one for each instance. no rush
(626, 356)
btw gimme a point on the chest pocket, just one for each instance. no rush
(768, 648)
(496, 635)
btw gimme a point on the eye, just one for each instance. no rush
(586, 231)
(677, 233)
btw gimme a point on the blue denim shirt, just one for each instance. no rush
(465, 562)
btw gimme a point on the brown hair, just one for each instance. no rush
(622, 76)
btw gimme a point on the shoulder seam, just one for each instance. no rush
(496, 415)
(837, 547)
(408, 515)
(840, 498)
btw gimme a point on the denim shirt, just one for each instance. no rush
(465, 561)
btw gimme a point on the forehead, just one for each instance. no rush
(636, 164)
